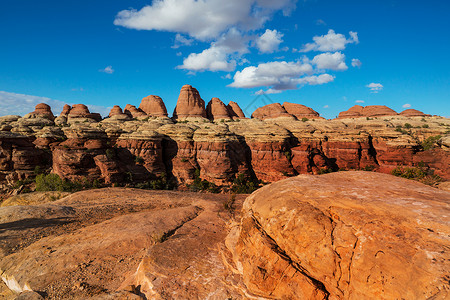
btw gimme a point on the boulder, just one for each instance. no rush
(300, 111)
(271, 111)
(189, 104)
(153, 106)
(216, 110)
(116, 110)
(235, 111)
(364, 236)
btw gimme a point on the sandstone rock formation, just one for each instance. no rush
(189, 104)
(66, 110)
(300, 111)
(134, 112)
(235, 111)
(364, 236)
(154, 244)
(153, 106)
(272, 111)
(43, 110)
(125, 150)
(413, 113)
(358, 111)
(216, 110)
(81, 111)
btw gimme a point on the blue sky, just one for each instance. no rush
(326, 54)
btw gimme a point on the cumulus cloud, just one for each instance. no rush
(331, 61)
(21, 104)
(407, 105)
(356, 63)
(205, 19)
(181, 40)
(326, 106)
(107, 70)
(359, 101)
(269, 41)
(330, 42)
(279, 76)
(219, 57)
(269, 91)
(375, 87)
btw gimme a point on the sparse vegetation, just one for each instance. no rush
(408, 126)
(430, 142)
(229, 203)
(369, 168)
(420, 173)
(425, 126)
(244, 184)
(288, 155)
(52, 182)
(111, 153)
(160, 183)
(202, 184)
(305, 119)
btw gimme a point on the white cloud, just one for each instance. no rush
(181, 40)
(107, 70)
(375, 87)
(269, 41)
(269, 91)
(359, 101)
(407, 105)
(278, 76)
(21, 104)
(330, 42)
(212, 59)
(205, 19)
(330, 61)
(219, 56)
(320, 22)
(356, 63)
(271, 74)
(326, 106)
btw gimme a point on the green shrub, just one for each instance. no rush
(430, 142)
(288, 155)
(229, 203)
(202, 184)
(305, 119)
(52, 182)
(407, 125)
(111, 153)
(368, 168)
(243, 184)
(425, 126)
(420, 173)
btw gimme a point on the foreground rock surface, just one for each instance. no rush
(346, 235)
(117, 244)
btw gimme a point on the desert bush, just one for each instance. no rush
(408, 126)
(244, 184)
(425, 126)
(52, 182)
(229, 203)
(111, 153)
(305, 119)
(202, 184)
(420, 173)
(430, 142)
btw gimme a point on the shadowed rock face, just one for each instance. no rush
(364, 236)
(235, 111)
(216, 110)
(66, 110)
(153, 106)
(368, 111)
(189, 104)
